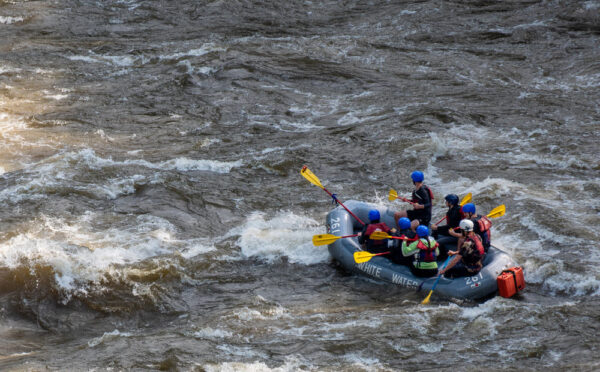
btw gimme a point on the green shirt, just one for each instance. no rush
(411, 249)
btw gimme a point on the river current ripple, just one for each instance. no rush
(154, 217)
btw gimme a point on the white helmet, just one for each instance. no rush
(466, 225)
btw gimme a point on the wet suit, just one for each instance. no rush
(447, 241)
(421, 196)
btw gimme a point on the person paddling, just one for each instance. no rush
(405, 231)
(468, 260)
(453, 217)
(482, 225)
(424, 251)
(422, 201)
(371, 245)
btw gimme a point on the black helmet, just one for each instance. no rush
(452, 199)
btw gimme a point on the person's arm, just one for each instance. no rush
(443, 229)
(454, 233)
(361, 235)
(424, 199)
(454, 261)
(409, 249)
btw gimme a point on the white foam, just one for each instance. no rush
(82, 255)
(107, 336)
(360, 362)
(186, 164)
(9, 69)
(103, 135)
(270, 312)
(58, 171)
(434, 347)
(10, 20)
(119, 61)
(575, 284)
(285, 234)
(209, 333)
(57, 97)
(204, 49)
(353, 324)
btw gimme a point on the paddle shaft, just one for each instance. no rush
(440, 275)
(426, 300)
(340, 203)
(467, 198)
(440, 221)
(406, 200)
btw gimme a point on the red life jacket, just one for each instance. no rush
(427, 252)
(484, 223)
(429, 191)
(380, 226)
(485, 229)
(475, 239)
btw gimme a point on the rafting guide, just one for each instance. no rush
(399, 247)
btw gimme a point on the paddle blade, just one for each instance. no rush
(426, 299)
(393, 195)
(497, 212)
(379, 235)
(466, 199)
(362, 256)
(324, 239)
(306, 173)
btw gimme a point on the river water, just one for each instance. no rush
(154, 217)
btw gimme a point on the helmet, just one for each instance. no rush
(452, 199)
(422, 231)
(417, 176)
(404, 223)
(466, 225)
(374, 215)
(468, 208)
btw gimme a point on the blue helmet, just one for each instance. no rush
(422, 231)
(452, 199)
(468, 208)
(404, 223)
(417, 176)
(374, 215)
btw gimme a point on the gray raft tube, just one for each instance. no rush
(340, 223)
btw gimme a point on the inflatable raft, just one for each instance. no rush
(341, 223)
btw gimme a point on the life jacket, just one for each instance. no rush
(426, 251)
(416, 200)
(429, 191)
(474, 260)
(484, 226)
(380, 226)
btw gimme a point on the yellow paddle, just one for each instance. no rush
(426, 299)
(497, 212)
(467, 198)
(326, 239)
(306, 173)
(379, 235)
(394, 195)
(364, 256)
